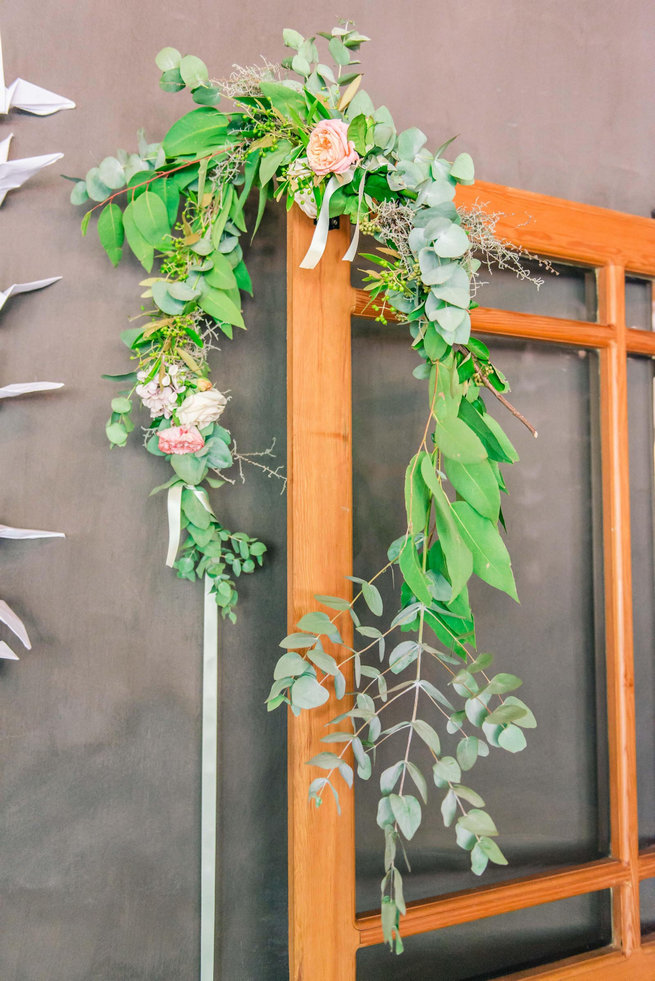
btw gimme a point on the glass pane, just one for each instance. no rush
(639, 302)
(647, 901)
(642, 486)
(567, 291)
(490, 948)
(549, 802)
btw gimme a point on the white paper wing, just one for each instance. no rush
(14, 173)
(32, 98)
(15, 288)
(14, 623)
(23, 388)
(7, 532)
(7, 653)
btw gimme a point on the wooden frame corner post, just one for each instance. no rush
(322, 934)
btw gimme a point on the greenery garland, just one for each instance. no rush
(307, 139)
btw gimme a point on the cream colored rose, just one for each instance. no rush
(201, 408)
(329, 151)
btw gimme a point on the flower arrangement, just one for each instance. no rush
(307, 132)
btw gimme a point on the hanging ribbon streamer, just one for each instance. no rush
(352, 251)
(319, 239)
(209, 786)
(209, 736)
(174, 507)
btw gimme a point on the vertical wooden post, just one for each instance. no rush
(618, 606)
(322, 934)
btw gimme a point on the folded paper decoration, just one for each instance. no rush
(16, 625)
(23, 388)
(31, 98)
(7, 532)
(15, 288)
(13, 173)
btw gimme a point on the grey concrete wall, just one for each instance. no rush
(99, 728)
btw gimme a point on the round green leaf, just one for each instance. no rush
(171, 81)
(167, 58)
(79, 194)
(306, 693)
(193, 71)
(111, 173)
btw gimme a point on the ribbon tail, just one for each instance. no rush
(319, 239)
(352, 251)
(209, 786)
(174, 505)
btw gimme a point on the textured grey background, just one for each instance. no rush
(100, 722)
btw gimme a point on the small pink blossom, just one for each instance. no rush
(329, 151)
(180, 439)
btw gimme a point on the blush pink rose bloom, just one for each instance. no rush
(329, 151)
(180, 439)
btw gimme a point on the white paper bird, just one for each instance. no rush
(13, 173)
(31, 98)
(15, 288)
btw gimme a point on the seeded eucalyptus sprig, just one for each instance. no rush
(292, 131)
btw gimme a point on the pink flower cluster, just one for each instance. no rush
(181, 439)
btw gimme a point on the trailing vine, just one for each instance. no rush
(307, 132)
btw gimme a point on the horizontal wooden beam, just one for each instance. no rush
(599, 965)
(566, 229)
(647, 864)
(640, 341)
(510, 324)
(476, 904)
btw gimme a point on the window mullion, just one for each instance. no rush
(618, 606)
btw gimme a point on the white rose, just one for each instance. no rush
(201, 408)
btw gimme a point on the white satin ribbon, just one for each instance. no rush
(174, 508)
(352, 251)
(209, 786)
(209, 736)
(319, 238)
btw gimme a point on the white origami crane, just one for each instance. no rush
(31, 98)
(15, 288)
(13, 173)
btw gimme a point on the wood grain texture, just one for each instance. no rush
(618, 607)
(578, 233)
(476, 904)
(322, 935)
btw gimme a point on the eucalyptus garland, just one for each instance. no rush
(307, 132)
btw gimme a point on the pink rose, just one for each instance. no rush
(180, 439)
(329, 150)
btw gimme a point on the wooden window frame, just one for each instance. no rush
(324, 930)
